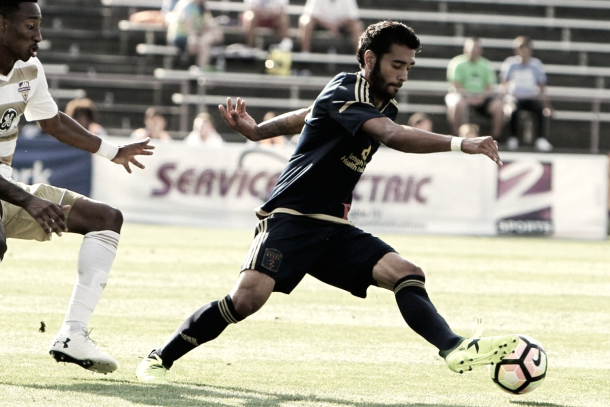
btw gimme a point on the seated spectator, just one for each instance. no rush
(273, 141)
(194, 30)
(473, 82)
(265, 13)
(156, 17)
(420, 121)
(84, 112)
(332, 15)
(524, 81)
(154, 126)
(204, 132)
(469, 130)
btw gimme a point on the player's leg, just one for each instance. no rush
(355, 259)
(408, 283)
(266, 269)
(248, 295)
(495, 108)
(282, 24)
(250, 21)
(354, 28)
(100, 225)
(457, 111)
(461, 354)
(306, 27)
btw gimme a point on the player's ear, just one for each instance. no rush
(370, 59)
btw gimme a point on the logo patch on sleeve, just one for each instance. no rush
(272, 260)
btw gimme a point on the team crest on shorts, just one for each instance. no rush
(272, 260)
(24, 89)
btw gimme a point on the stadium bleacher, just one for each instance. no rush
(115, 66)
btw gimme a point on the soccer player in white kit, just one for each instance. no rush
(38, 211)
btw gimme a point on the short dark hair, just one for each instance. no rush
(380, 36)
(8, 7)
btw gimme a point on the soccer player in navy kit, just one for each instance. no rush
(304, 227)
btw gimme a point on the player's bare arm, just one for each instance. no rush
(412, 140)
(68, 131)
(49, 216)
(239, 120)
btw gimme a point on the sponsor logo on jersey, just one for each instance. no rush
(6, 121)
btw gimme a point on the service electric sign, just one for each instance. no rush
(552, 195)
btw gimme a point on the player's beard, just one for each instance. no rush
(379, 86)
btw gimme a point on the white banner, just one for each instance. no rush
(554, 195)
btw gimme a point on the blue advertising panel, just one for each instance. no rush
(45, 160)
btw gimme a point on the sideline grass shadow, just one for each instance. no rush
(536, 404)
(175, 395)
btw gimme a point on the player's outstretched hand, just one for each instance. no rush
(127, 154)
(49, 216)
(238, 119)
(482, 145)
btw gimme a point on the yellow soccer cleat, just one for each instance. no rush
(151, 370)
(473, 352)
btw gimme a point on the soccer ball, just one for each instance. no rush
(523, 370)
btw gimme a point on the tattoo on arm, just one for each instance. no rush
(285, 124)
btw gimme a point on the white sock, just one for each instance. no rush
(97, 253)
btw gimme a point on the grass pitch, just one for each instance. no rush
(317, 347)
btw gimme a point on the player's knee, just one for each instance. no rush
(115, 218)
(247, 303)
(109, 218)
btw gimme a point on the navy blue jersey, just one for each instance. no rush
(332, 151)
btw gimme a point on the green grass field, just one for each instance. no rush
(317, 347)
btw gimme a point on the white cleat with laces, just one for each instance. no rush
(80, 349)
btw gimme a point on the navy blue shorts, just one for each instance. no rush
(286, 247)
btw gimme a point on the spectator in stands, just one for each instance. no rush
(473, 85)
(333, 15)
(194, 30)
(268, 14)
(154, 126)
(204, 132)
(524, 81)
(84, 111)
(420, 121)
(156, 17)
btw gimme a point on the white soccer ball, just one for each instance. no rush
(523, 370)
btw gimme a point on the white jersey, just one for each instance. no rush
(24, 91)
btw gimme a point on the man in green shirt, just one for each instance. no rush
(473, 85)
